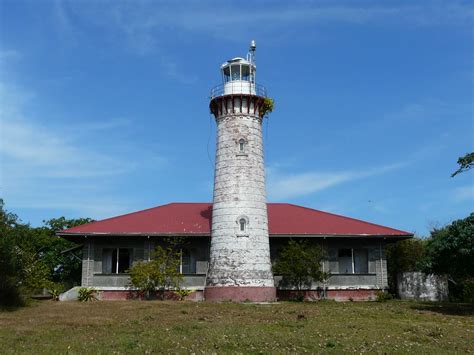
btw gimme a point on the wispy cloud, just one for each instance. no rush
(9, 54)
(145, 25)
(464, 193)
(282, 185)
(49, 166)
(43, 152)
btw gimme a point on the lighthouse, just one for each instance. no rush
(240, 267)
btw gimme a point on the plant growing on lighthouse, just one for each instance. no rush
(267, 106)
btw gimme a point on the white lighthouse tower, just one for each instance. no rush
(240, 267)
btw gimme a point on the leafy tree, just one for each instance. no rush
(299, 263)
(64, 268)
(405, 256)
(160, 273)
(465, 163)
(21, 270)
(32, 258)
(450, 251)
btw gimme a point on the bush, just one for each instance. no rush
(468, 290)
(55, 290)
(160, 273)
(183, 293)
(86, 294)
(382, 296)
(299, 263)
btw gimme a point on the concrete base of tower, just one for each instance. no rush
(240, 293)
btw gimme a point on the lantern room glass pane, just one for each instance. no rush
(226, 73)
(245, 72)
(235, 72)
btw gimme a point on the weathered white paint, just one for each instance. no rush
(239, 258)
(239, 87)
(421, 286)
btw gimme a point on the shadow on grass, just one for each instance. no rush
(456, 309)
(10, 308)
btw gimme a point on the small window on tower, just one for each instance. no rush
(243, 225)
(241, 145)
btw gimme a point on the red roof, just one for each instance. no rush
(195, 219)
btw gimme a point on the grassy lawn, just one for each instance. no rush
(154, 326)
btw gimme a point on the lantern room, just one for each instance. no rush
(238, 76)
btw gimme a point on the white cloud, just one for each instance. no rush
(42, 152)
(145, 25)
(46, 165)
(283, 186)
(464, 193)
(9, 54)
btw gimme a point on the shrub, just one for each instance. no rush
(382, 296)
(468, 290)
(183, 293)
(86, 294)
(160, 273)
(299, 263)
(54, 292)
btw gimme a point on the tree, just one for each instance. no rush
(64, 268)
(450, 250)
(465, 163)
(405, 256)
(160, 273)
(21, 270)
(31, 258)
(299, 263)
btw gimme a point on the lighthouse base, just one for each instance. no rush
(240, 293)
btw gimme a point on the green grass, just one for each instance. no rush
(183, 327)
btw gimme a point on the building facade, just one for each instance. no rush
(355, 249)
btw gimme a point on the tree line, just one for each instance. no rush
(33, 258)
(447, 251)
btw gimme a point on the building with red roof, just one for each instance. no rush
(355, 249)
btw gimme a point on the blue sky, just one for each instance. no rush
(104, 105)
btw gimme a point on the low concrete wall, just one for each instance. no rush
(421, 286)
(119, 295)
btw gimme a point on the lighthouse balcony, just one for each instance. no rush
(238, 87)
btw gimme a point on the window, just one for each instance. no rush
(116, 261)
(243, 225)
(235, 72)
(345, 261)
(361, 261)
(188, 262)
(241, 145)
(353, 261)
(245, 72)
(226, 74)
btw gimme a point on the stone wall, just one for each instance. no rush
(421, 286)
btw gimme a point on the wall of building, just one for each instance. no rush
(141, 249)
(375, 278)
